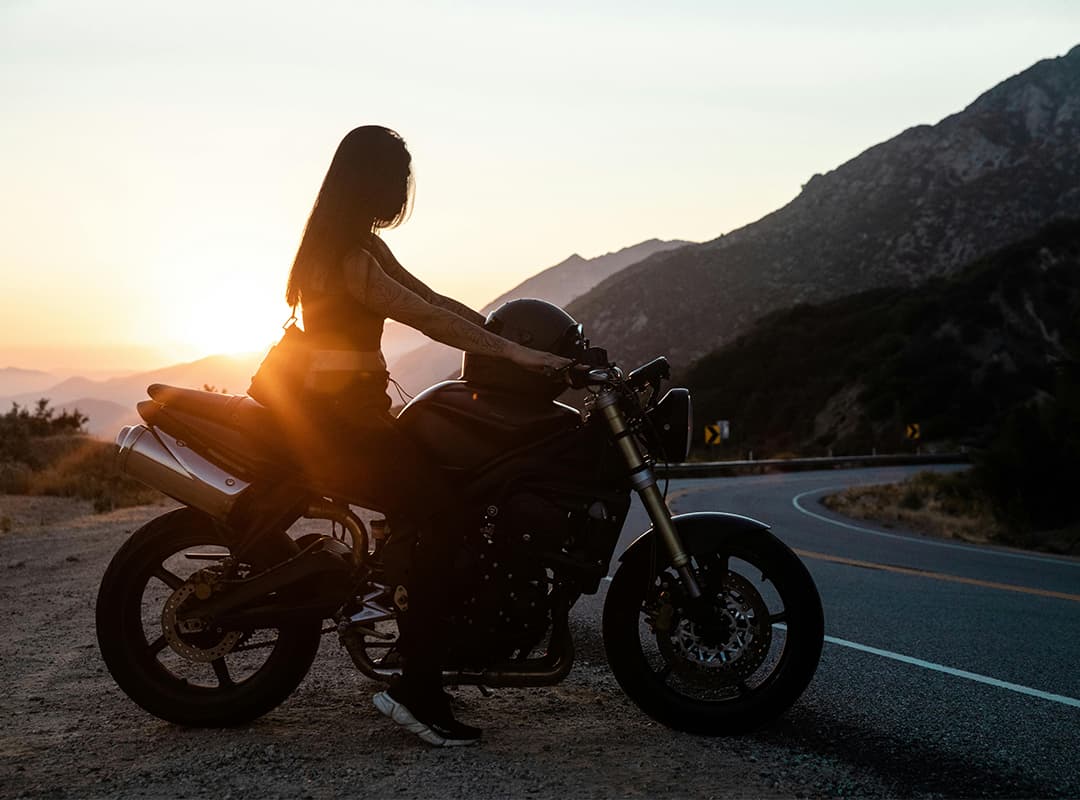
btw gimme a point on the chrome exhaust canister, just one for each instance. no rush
(155, 458)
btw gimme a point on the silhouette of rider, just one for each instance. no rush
(347, 283)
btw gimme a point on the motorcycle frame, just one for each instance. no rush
(607, 403)
(557, 662)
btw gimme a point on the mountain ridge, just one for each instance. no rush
(558, 284)
(919, 205)
(955, 356)
(16, 380)
(221, 371)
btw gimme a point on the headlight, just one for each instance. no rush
(672, 417)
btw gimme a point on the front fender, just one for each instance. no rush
(698, 529)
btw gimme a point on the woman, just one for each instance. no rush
(348, 282)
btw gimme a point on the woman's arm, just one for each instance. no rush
(462, 310)
(392, 267)
(369, 284)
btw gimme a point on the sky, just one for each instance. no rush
(159, 160)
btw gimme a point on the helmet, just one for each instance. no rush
(533, 323)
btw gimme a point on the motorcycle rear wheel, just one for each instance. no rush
(727, 671)
(256, 671)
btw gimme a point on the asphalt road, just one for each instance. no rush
(948, 669)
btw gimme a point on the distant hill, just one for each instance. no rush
(398, 339)
(559, 284)
(105, 418)
(14, 381)
(954, 356)
(232, 373)
(918, 206)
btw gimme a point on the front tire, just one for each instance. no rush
(725, 667)
(255, 671)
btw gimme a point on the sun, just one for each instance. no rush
(235, 331)
(228, 320)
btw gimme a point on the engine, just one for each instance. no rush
(532, 551)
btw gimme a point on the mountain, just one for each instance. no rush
(17, 381)
(105, 418)
(398, 339)
(232, 373)
(918, 206)
(955, 356)
(559, 284)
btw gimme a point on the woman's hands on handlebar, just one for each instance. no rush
(539, 361)
(590, 369)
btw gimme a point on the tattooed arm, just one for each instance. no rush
(460, 309)
(368, 283)
(392, 267)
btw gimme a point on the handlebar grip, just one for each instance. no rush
(578, 375)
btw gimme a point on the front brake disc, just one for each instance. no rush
(738, 651)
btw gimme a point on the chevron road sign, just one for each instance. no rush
(718, 432)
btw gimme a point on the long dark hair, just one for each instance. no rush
(367, 187)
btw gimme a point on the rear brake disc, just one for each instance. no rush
(190, 637)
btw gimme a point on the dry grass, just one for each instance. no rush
(945, 505)
(84, 468)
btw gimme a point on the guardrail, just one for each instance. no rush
(720, 469)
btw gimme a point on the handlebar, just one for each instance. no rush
(581, 375)
(651, 374)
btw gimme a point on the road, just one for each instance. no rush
(883, 717)
(948, 668)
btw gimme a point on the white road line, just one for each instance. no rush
(959, 673)
(983, 550)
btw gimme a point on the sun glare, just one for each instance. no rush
(232, 332)
(225, 321)
(216, 295)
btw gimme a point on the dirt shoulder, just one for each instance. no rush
(69, 732)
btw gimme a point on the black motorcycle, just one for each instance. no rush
(711, 624)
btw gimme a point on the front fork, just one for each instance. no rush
(643, 479)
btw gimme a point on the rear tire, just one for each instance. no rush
(689, 676)
(136, 652)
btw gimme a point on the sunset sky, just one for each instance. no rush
(158, 161)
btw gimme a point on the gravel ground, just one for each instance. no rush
(68, 731)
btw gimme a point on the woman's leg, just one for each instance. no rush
(428, 524)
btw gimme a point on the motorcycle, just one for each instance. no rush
(710, 623)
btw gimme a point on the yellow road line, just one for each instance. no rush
(939, 576)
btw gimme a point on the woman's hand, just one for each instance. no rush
(539, 361)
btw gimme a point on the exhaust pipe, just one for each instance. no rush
(167, 464)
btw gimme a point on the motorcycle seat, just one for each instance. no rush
(233, 430)
(233, 410)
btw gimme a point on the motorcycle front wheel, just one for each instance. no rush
(728, 662)
(201, 678)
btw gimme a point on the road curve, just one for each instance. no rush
(949, 668)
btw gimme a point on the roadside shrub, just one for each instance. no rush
(15, 478)
(21, 427)
(1029, 470)
(46, 453)
(911, 500)
(89, 472)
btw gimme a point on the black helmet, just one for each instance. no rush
(533, 323)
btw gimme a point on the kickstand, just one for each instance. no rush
(485, 691)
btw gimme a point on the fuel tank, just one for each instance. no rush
(465, 426)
